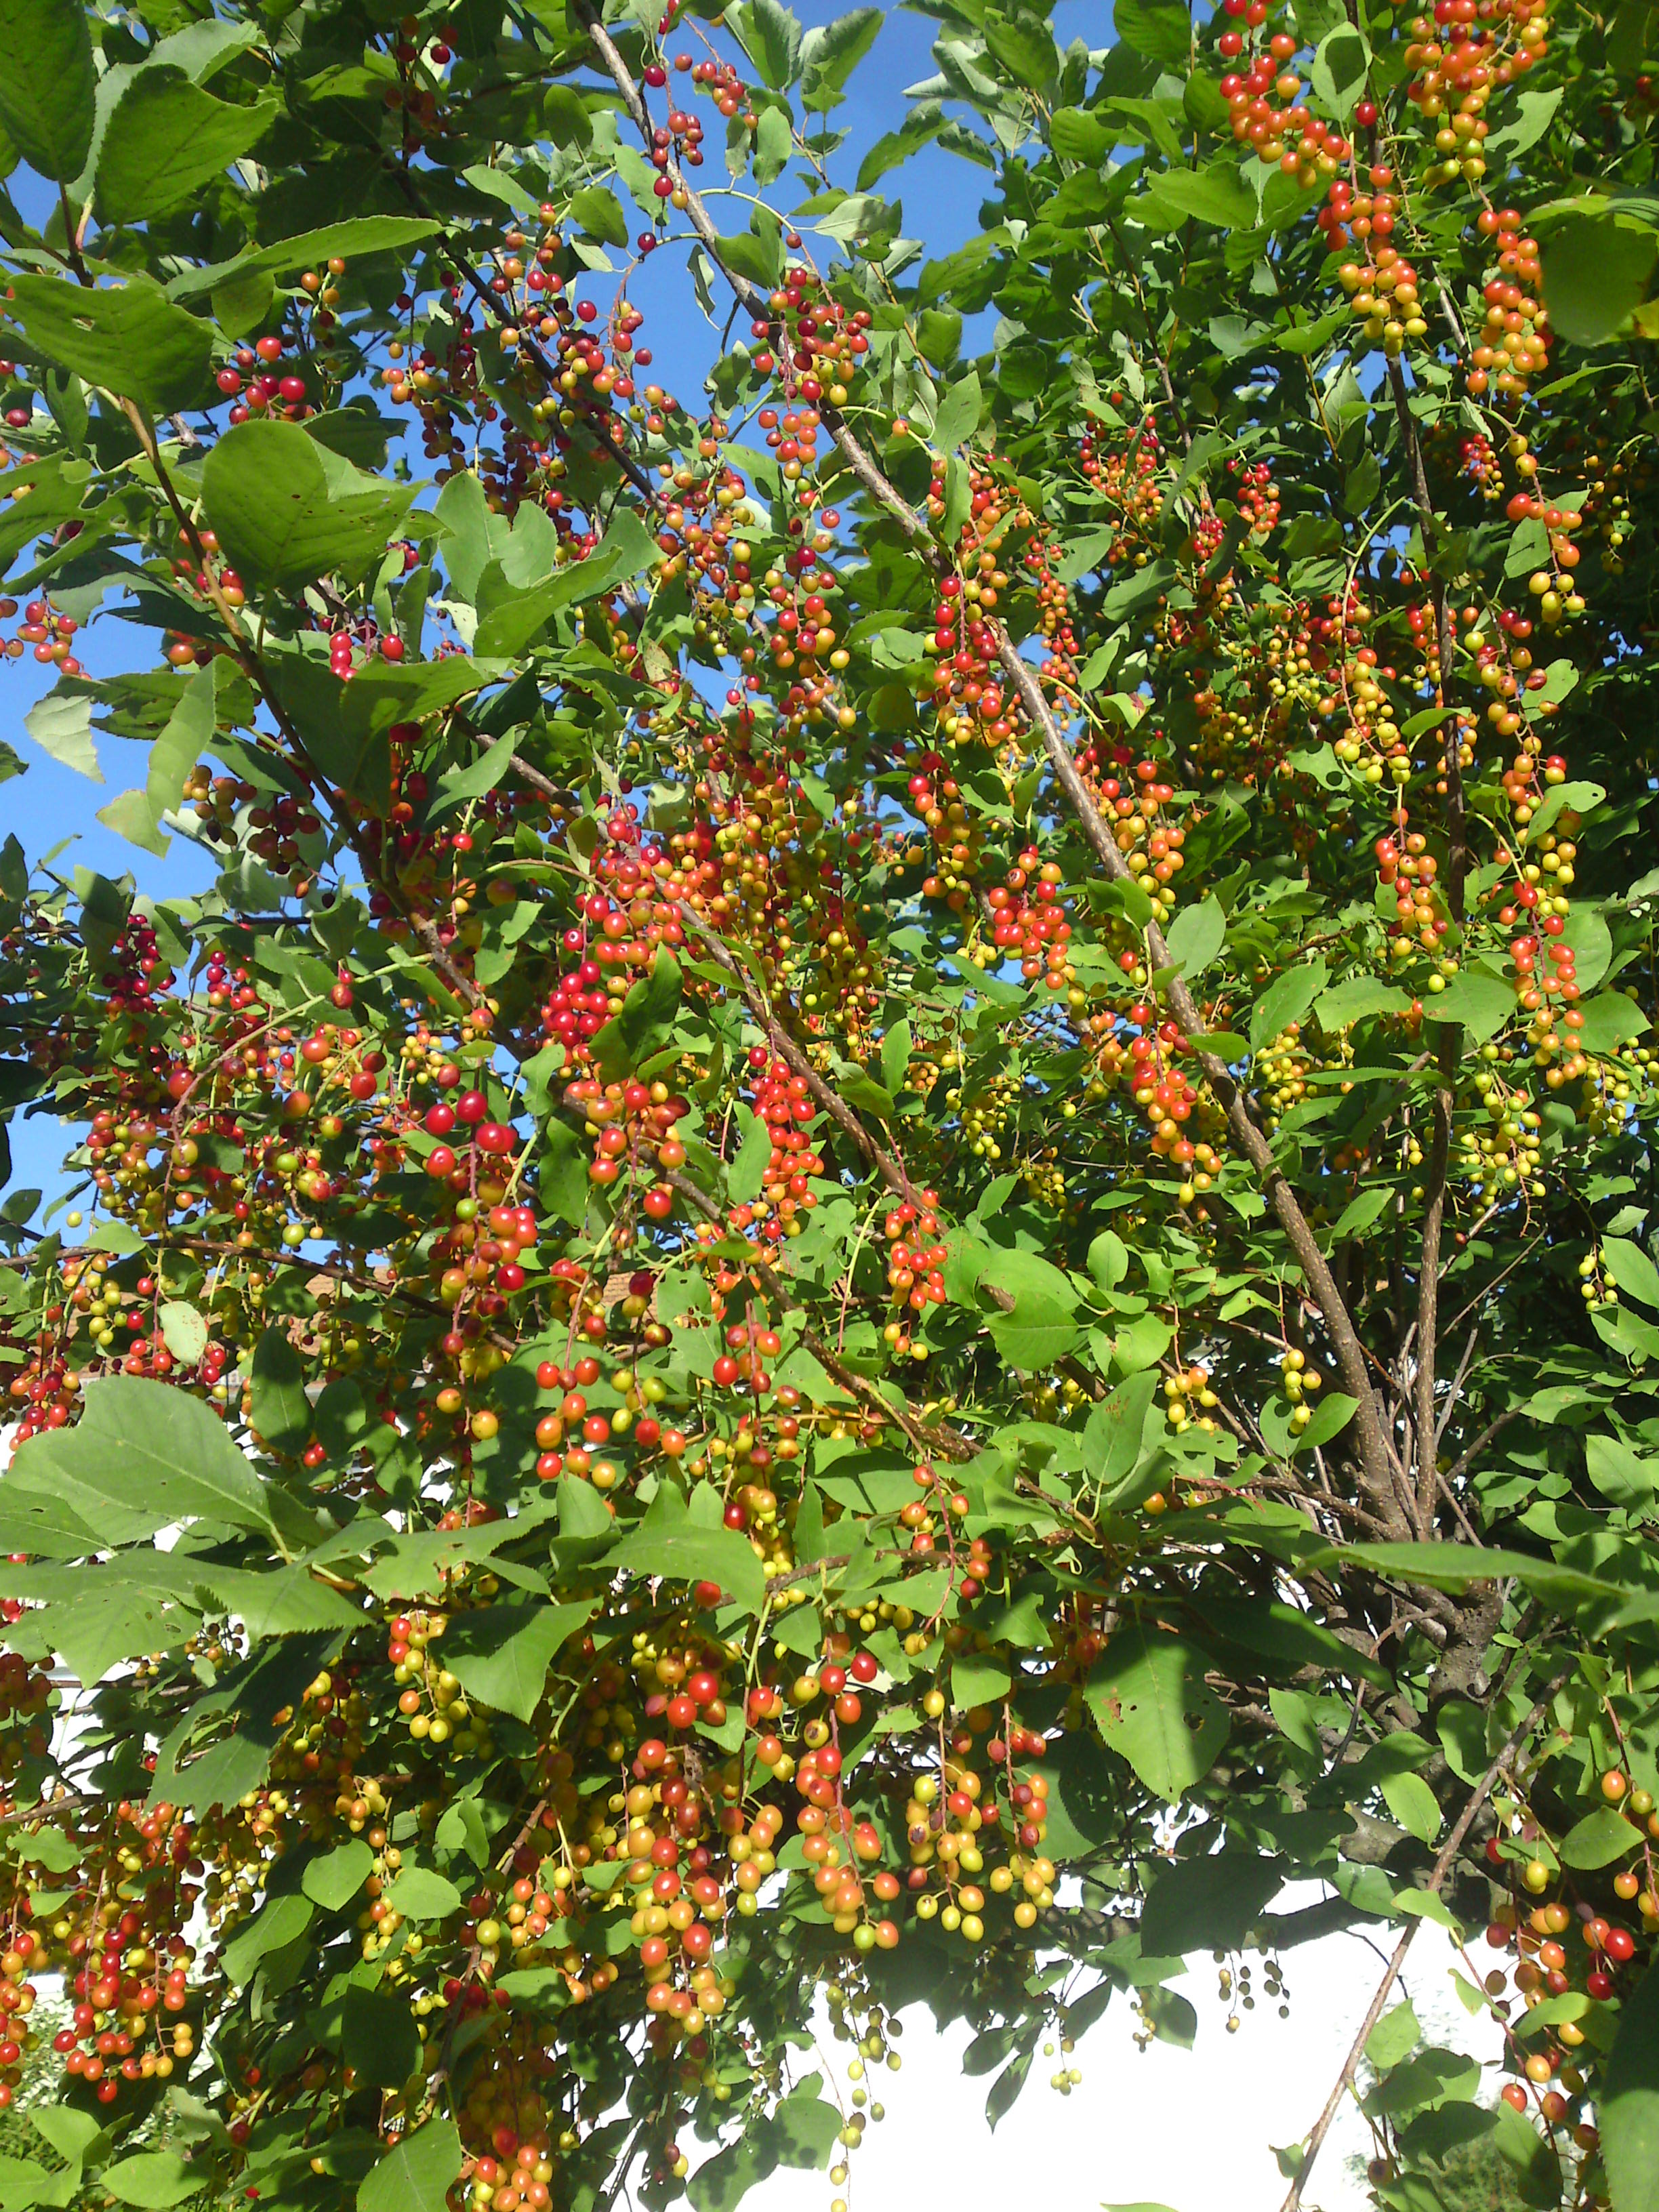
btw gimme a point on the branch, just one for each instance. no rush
(1461, 1465)
(890, 1168)
(1443, 1864)
(1428, 1286)
(943, 1443)
(1428, 525)
(1350, 1354)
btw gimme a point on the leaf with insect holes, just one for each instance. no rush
(1151, 1704)
(129, 338)
(185, 1329)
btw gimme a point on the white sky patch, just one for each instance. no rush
(1191, 2130)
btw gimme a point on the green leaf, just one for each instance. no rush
(1023, 45)
(669, 1543)
(238, 1716)
(772, 38)
(896, 1050)
(288, 510)
(279, 1921)
(1152, 1705)
(959, 414)
(420, 1894)
(418, 2175)
(626, 549)
(186, 736)
(130, 815)
(775, 140)
(1535, 112)
(335, 1879)
(129, 337)
(1395, 2035)
(583, 1513)
(1629, 1267)
(1004, 2090)
(143, 1454)
(1411, 1802)
(167, 139)
(457, 785)
(1354, 999)
(1621, 1475)
(830, 53)
(1479, 1002)
(643, 1023)
(1611, 1021)
(502, 1653)
(1197, 935)
(721, 2183)
(357, 240)
(1534, 2164)
(1628, 2109)
(1599, 1838)
(920, 127)
(1160, 29)
(1078, 134)
(1216, 195)
(344, 726)
(1340, 66)
(746, 1175)
(281, 1411)
(185, 1330)
(1033, 1340)
(61, 725)
(378, 2039)
(565, 117)
(1287, 998)
(154, 2179)
(759, 258)
(1596, 272)
(48, 84)
(804, 2130)
(242, 301)
(1213, 1901)
(563, 1181)
(1111, 1441)
(597, 210)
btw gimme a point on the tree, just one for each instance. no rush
(1486, 2183)
(882, 1228)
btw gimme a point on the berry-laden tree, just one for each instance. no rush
(879, 1229)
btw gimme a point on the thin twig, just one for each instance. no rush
(1448, 1851)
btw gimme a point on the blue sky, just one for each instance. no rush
(942, 195)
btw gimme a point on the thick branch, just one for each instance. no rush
(1350, 1353)
(1251, 1140)
(1428, 1288)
